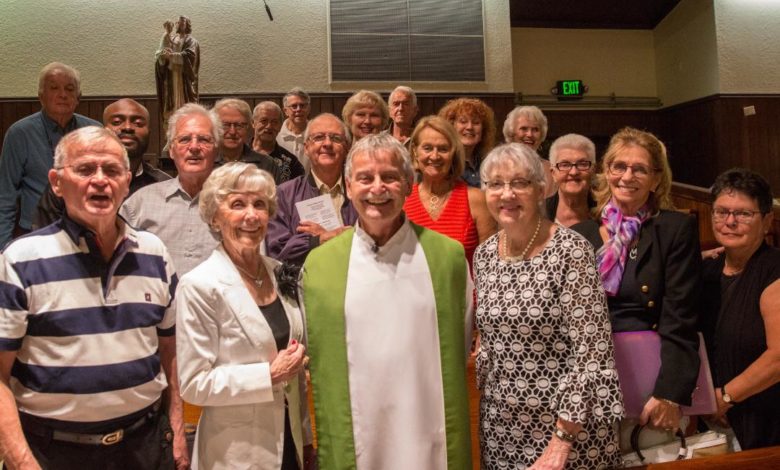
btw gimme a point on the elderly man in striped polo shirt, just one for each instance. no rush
(87, 345)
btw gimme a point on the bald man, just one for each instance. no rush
(129, 120)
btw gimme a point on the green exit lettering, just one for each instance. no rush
(571, 88)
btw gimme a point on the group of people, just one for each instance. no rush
(137, 290)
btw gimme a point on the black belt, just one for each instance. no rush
(107, 439)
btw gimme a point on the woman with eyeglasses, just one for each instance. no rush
(572, 157)
(549, 392)
(649, 261)
(741, 315)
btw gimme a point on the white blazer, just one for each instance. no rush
(225, 348)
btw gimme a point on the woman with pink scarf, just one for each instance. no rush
(649, 260)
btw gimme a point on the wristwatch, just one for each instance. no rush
(564, 436)
(726, 397)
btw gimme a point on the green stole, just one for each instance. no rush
(324, 290)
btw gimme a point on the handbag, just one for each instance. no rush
(703, 444)
(638, 361)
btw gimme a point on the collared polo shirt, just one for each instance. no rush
(166, 210)
(85, 331)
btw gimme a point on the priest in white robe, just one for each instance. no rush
(388, 311)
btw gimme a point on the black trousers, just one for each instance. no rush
(148, 447)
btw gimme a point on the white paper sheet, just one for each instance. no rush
(319, 210)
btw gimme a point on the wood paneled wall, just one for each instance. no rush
(704, 137)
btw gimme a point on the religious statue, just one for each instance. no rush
(176, 68)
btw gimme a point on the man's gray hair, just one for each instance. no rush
(405, 90)
(234, 103)
(53, 67)
(344, 127)
(235, 177)
(90, 137)
(267, 105)
(296, 91)
(573, 142)
(532, 113)
(372, 143)
(191, 109)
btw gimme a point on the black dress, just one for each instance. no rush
(280, 326)
(735, 335)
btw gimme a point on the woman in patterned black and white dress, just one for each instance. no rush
(545, 368)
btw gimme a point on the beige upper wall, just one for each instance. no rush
(608, 61)
(686, 53)
(112, 43)
(748, 45)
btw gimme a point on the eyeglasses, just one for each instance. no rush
(298, 106)
(742, 216)
(88, 170)
(518, 185)
(582, 165)
(200, 140)
(239, 126)
(335, 138)
(620, 168)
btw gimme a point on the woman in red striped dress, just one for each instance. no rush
(442, 201)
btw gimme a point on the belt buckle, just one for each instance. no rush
(113, 438)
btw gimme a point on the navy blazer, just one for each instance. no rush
(668, 269)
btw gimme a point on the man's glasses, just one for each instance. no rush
(620, 168)
(582, 165)
(88, 170)
(239, 126)
(742, 216)
(335, 138)
(200, 140)
(298, 106)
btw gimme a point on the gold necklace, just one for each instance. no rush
(434, 201)
(527, 247)
(256, 279)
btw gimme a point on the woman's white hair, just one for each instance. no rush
(573, 142)
(520, 156)
(532, 113)
(231, 178)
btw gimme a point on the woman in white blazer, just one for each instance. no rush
(239, 337)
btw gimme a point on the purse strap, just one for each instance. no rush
(681, 454)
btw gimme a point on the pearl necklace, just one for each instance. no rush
(527, 247)
(256, 279)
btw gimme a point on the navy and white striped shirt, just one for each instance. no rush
(85, 330)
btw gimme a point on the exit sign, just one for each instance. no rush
(570, 89)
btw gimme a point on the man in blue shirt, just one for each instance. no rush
(28, 148)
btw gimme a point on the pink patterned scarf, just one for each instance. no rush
(622, 231)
